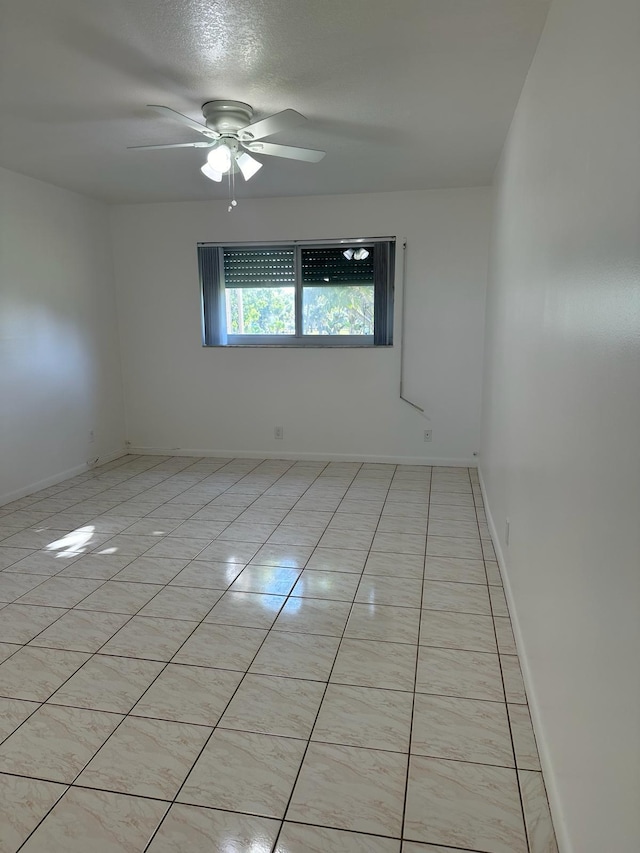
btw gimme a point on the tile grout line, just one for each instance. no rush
(415, 675)
(328, 681)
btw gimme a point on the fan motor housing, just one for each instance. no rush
(226, 116)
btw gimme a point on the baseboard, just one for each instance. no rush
(54, 479)
(298, 455)
(555, 805)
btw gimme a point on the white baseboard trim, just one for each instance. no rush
(299, 455)
(54, 479)
(555, 804)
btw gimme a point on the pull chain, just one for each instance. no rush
(232, 190)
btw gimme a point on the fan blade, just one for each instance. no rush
(307, 155)
(194, 125)
(285, 120)
(174, 145)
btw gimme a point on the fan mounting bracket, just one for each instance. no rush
(226, 117)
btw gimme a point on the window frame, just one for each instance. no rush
(213, 299)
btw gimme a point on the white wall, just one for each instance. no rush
(180, 395)
(561, 425)
(60, 372)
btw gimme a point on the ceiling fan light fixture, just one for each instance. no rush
(248, 165)
(360, 254)
(349, 253)
(220, 158)
(210, 173)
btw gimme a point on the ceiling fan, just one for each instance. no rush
(232, 139)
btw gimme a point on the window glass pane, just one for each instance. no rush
(260, 310)
(337, 310)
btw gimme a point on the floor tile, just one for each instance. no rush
(332, 559)
(198, 830)
(524, 740)
(493, 573)
(144, 757)
(177, 547)
(450, 527)
(370, 663)
(498, 601)
(22, 622)
(334, 586)
(120, 597)
(241, 531)
(291, 534)
(100, 567)
(464, 805)
(246, 609)
(100, 821)
(416, 847)
(513, 682)
(208, 575)
(229, 552)
(56, 742)
(448, 546)
(455, 569)
(34, 673)
(313, 616)
(189, 694)
(387, 590)
(457, 631)
(395, 524)
(61, 592)
(451, 672)
(106, 683)
(306, 656)
(286, 556)
(383, 622)
(456, 597)
(182, 602)
(149, 637)
(221, 646)
(272, 580)
(13, 712)
(12, 586)
(81, 630)
(346, 787)
(536, 812)
(131, 546)
(23, 804)
(157, 570)
(395, 565)
(461, 730)
(366, 717)
(245, 772)
(7, 649)
(274, 706)
(297, 838)
(398, 543)
(504, 634)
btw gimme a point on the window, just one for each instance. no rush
(298, 294)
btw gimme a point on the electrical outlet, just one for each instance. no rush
(427, 435)
(92, 436)
(507, 530)
(278, 432)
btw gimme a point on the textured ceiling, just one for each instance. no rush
(402, 94)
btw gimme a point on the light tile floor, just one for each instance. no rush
(245, 655)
